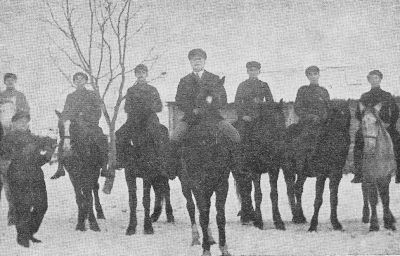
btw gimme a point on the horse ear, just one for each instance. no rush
(222, 81)
(378, 107)
(58, 113)
(361, 106)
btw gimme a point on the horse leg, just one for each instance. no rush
(299, 217)
(319, 191)
(168, 207)
(258, 221)
(220, 200)
(131, 183)
(77, 185)
(99, 209)
(334, 182)
(203, 201)
(148, 226)
(276, 215)
(11, 207)
(366, 212)
(383, 186)
(373, 201)
(191, 208)
(87, 191)
(158, 194)
(243, 186)
(290, 184)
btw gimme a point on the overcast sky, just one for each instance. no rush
(346, 39)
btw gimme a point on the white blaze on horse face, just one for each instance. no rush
(209, 99)
(370, 130)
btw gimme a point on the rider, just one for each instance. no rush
(12, 95)
(84, 106)
(141, 99)
(187, 96)
(249, 93)
(311, 106)
(389, 114)
(25, 177)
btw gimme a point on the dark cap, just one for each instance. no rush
(10, 75)
(19, 115)
(375, 72)
(80, 74)
(312, 69)
(253, 64)
(197, 52)
(141, 67)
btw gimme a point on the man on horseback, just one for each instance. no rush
(83, 109)
(248, 95)
(141, 101)
(311, 106)
(188, 100)
(389, 114)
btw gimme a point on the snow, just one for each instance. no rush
(60, 238)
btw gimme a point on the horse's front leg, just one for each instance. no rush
(203, 201)
(290, 177)
(334, 182)
(88, 203)
(299, 217)
(158, 194)
(191, 208)
(76, 184)
(388, 218)
(168, 207)
(131, 183)
(148, 226)
(366, 211)
(258, 221)
(373, 201)
(319, 192)
(276, 215)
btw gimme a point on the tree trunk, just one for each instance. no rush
(112, 159)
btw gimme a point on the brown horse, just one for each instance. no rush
(83, 163)
(324, 159)
(378, 165)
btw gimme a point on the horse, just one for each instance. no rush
(83, 163)
(206, 168)
(378, 165)
(261, 152)
(324, 159)
(143, 159)
(7, 111)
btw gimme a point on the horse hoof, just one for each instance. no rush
(374, 228)
(130, 231)
(170, 218)
(94, 227)
(155, 216)
(100, 215)
(337, 226)
(299, 220)
(312, 229)
(148, 231)
(259, 224)
(80, 227)
(280, 225)
(365, 220)
(390, 226)
(206, 253)
(196, 242)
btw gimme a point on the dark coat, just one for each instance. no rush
(311, 99)
(189, 89)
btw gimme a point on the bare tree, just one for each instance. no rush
(98, 44)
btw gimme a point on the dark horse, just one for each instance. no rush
(142, 158)
(378, 165)
(206, 162)
(261, 152)
(324, 160)
(83, 163)
(162, 193)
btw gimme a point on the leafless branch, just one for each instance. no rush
(55, 62)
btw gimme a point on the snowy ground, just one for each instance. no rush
(59, 237)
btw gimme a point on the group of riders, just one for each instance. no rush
(28, 187)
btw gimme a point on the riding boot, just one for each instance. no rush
(358, 155)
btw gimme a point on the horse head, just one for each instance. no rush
(210, 97)
(371, 125)
(338, 115)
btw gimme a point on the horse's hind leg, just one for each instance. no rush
(99, 209)
(244, 185)
(148, 227)
(388, 218)
(258, 221)
(87, 191)
(290, 184)
(373, 200)
(366, 212)
(76, 184)
(203, 200)
(220, 201)
(131, 183)
(11, 207)
(276, 215)
(334, 182)
(319, 191)
(158, 194)
(168, 207)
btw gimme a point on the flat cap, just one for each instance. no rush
(253, 64)
(197, 52)
(311, 69)
(376, 72)
(141, 67)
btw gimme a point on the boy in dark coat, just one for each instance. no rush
(389, 114)
(26, 153)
